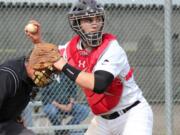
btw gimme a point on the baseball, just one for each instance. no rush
(31, 28)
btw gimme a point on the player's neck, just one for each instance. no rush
(86, 47)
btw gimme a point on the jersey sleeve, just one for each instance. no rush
(62, 50)
(113, 60)
(7, 86)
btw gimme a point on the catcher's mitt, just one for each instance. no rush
(42, 58)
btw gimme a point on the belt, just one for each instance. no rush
(117, 114)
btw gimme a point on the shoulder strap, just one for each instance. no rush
(14, 75)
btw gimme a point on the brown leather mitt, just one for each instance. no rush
(42, 58)
(44, 55)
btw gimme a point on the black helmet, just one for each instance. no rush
(86, 9)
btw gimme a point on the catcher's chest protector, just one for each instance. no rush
(81, 59)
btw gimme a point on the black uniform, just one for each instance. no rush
(15, 89)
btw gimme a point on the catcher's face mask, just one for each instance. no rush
(87, 9)
(44, 77)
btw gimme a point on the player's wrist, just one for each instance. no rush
(60, 64)
(37, 41)
(71, 71)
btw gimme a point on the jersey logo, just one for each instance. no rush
(83, 52)
(105, 62)
(82, 64)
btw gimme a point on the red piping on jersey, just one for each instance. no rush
(129, 74)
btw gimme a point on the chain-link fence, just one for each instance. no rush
(140, 31)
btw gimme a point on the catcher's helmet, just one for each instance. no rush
(86, 9)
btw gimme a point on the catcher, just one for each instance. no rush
(97, 63)
(18, 78)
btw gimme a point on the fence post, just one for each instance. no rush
(168, 66)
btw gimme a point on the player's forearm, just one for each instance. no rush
(37, 41)
(82, 78)
(98, 81)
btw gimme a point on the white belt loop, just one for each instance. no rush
(121, 112)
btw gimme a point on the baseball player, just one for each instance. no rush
(96, 62)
